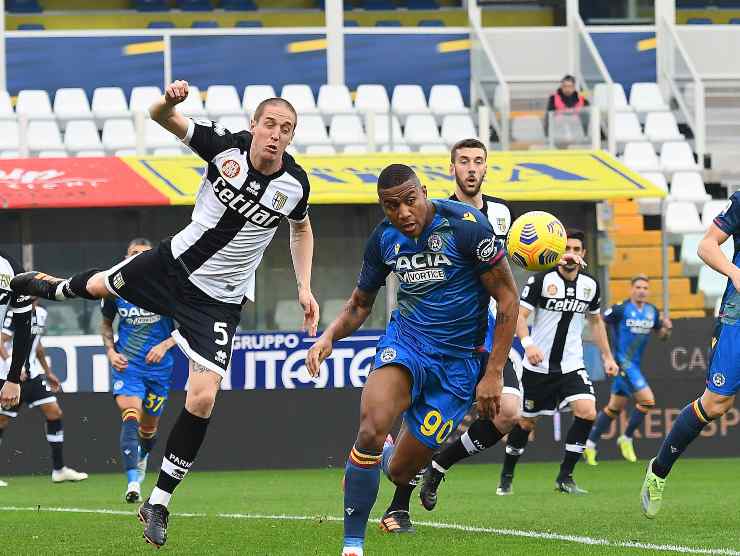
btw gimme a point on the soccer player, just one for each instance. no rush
(723, 374)
(203, 275)
(38, 386)
(631, 322)
(427, 364)
(143, 373)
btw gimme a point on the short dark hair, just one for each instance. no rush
(471, 143)
(274, 100)
(575, 233)
(139, 241)
(396, 174)
(569, 78)
(639, 278)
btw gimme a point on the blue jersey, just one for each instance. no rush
(441, 299)
(631, 327)
(138, 332)
(729, 222)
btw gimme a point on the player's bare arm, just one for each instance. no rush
(710, 252)
(665, 329)
(117, 360)
(499, 283)
(163, 111)
(531, 350)
(4, 339)
(598, 330)
(301, 250)
(354, 313)
(156, 354)
(54, 383)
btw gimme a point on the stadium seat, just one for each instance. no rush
(9, 135)
(10, 154)
(641, 157)
(346, 129)
(712, 284)
(382, 131)
(71, 104)
(151, 5)
(661, 127)
(6, 106)
(457, 127)
(254, 94)
(710, 210)
(355, 149)
(330, 308)
(699, 21)
(734, 21)
(53, 153)
(378, 5)
(155, 136)
(238, 5)
(192, 106)
(90, 154)
(301, 97)
(396, 148)
(646, 97)
(167, 151)
(248, 23)
(627, 128)
(119, 135)
(288, 315)
(351, 23)
(421, 4)
(689, 258)
(372, 98)
(433, 149)
(125, 152)
(222, 100)
(681, 218)
(234, 123)
(82, 135)
(407, 100)
(649, 205)
(311, 131)
(161, 25)
(688, 186)
(527, 129)
(194, 5)
(23, 6)
(421, 129)
(109, 103)
(601, 99)
(566, 129)
(143, 97)
(676, 156)
(205, 24)
(320, 150)
(388, 23)
(445, 100)
(34, 105)
(31, 27)
(333, 100)
(43, 135)
(431, 23)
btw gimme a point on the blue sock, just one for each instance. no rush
(603, 422)
(636, 419)
(685, 429)
(130, 443)
(361, 483)
(146, 443)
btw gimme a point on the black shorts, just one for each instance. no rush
(34, 392)
(156, 282)
(512, 385)
(544, 394)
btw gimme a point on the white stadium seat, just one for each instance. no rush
(167, 151)
(288, 315)
(254, 94)
(143, 97)
(408, 100)
(355, 149)
(234, 123)
(71, 104)
(346, 129)
(119, 135)
(601, 99)
(433, 148)
(10, 154)
(9, 136)
(301, 97)
(383, 133)
(681, 218)
(6, 106)
(710, 210)
(125, 152)
(527, 129)
(192, 106)
(690, 260)
(627, 128)
(421, 129)
(457, 127)
(676, 156)
(661, 127)
(34, 105)
(646, 97)
(330, 308)
(566, 129)
(650, 205)
(641, 157)
(688, 186)
(53, 154)
(712, 284)
(372, 98)
(222, 100)
(109, 103)
(82, 135)
(44, 135)
(90, 154)
(320, 150)
(311, 131)
(155, 136)
(446, 100)
(333, 100)
(396, 148)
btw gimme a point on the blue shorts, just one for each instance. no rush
(628, 381)
(443, 386)
(723, 375)
(152, 387)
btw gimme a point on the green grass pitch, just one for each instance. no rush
(700, 513)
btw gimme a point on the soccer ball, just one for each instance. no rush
(536, 241)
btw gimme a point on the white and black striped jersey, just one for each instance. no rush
(237, 211)
(21, 307)
(560, 308)
(38, 329)
(498, 213)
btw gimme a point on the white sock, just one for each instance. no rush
(161, 497)
(438, 467)
(59, 292)
(590, 444)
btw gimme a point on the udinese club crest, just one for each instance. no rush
(388, 355)
(435, 242)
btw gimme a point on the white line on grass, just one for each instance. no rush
(578, 539)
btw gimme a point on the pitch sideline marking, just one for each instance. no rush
(578, 539)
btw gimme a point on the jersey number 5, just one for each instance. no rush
(222, 338)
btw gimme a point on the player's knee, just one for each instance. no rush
(527, 424)
(508, 417)
(611, 412)
(587, 413)
(200, 402)
(715, 407)
(54, 412)
(371, 435)
(645, 406)
(400, 476)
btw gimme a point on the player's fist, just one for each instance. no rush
(611, 367)
(534, 355)
(488, 395)
(317, 354)
(176, 92)
(10, 395)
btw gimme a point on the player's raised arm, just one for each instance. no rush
(163, 111)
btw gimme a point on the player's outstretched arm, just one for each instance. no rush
(163, 111)
(301, 250)
(598, 330)
(710, 252)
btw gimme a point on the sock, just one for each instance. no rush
(385, 458)
(130, 443)
(481, 435)
(401, 498)
(2, 431)
(515, 445)
(76, 286)
(575, 442)
(361, 483)
(686, 428)
(636, 419)
(182, 446)
(603, 422)
(55, 437)
(147, 440)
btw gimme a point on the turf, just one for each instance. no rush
(700, 511)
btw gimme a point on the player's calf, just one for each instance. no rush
(602, 424)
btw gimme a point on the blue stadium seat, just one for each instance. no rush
(351, 23)
(249, 23)
(31, 27)
(699, 21)
(151, 5)
(206, 24)
(194, 5)
(23, 6)
(421, 4)
(238, 5)
(388, 23)
(161, 25)
(431, 23)
(378, 5)
(735, 21)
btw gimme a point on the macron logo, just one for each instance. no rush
(350, 511)
(673, 449)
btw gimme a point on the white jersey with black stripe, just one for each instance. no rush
(9, 300)
(560, 308)
(237, 211)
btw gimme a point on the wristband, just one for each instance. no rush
(527, 341)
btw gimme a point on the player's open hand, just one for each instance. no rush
(117, 360)
(534, 354)
(54, 383)
(310, 312)
(10, 395)
(572, 258)
(488, 395)
(176, 92)
(317, 354)
(611, 367)
(156, 354)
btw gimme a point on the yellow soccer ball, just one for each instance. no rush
(536, 241)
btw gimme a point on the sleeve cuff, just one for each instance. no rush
(24, 309)
(189, 134)
(595, 311)
(526, 305)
